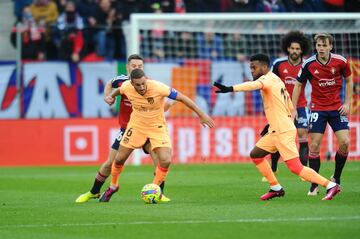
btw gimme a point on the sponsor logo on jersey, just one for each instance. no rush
(326, 82)
(289, 80)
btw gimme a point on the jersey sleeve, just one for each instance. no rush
(249, 86)
(123, 87)
(304, 74)
(346, 72)
(275, 68)
(163, 89)
(118, 80)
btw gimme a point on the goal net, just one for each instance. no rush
(191, 51)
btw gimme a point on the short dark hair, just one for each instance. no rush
(134, 57)
(298, 37)
(262, 58)
(137, 74)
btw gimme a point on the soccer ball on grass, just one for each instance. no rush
(151, 193)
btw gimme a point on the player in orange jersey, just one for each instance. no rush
(134, 61)
(282, 132)
(147, 122)
(295, 44)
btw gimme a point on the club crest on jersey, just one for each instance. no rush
(333, 70)
(285, 71)
(150, 100)
(316, 72)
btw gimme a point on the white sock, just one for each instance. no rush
(330, 185)
(276, 187)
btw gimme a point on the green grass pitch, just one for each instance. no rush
(208, 201)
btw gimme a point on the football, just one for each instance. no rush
(151, 193)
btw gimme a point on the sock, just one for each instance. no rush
(116, 170)
(274, 161)
(162, 186)
(310, 175)
(340, 160)
(314, 163)
(160, 174)
(265, 169)
(276, 187)
(330, 185)
(99, 181)
(304, 153)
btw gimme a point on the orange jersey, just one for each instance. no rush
(276, 99)
(148, 109)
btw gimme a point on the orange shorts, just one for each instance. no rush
(285, 143)
(135, 137)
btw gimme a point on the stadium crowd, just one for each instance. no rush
(84, 30)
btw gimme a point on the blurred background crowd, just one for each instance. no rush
(86, 30)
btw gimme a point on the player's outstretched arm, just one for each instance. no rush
(222, 88)
(247, 86)
(204, 118)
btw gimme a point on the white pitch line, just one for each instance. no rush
(240, 220)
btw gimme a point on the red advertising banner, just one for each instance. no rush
(87, 141)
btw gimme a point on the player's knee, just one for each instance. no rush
(344, 145)
(314, 146)
(294, 165)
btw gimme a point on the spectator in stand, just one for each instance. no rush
(45, 14)
(32, 37)
(127, 7)
(270, 6)
(165, 6)
(210, 46)
(202, 5)
(69, 38)
(300, 6)
(19, 5)
(237, 5)
(181, 45)
(87, 9)
(61, 5)
(102, 22)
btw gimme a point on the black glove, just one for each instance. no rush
(265, 130)
(223, 88)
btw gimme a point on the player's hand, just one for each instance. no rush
(206, 120)
(222, 88)
(294, 114)
(265, 130)
(109, 100)
(344, 109)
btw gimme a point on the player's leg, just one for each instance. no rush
(103, 172)
(318, 122)
(302, 124)
(116, 169)
(154, 157)
(274, 157)
(164, 159)
(274, 161)
(303, 145)
(133, 138)
(287, 147)
(339, 124)
(262, 148)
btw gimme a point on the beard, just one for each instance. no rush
(294, 56)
